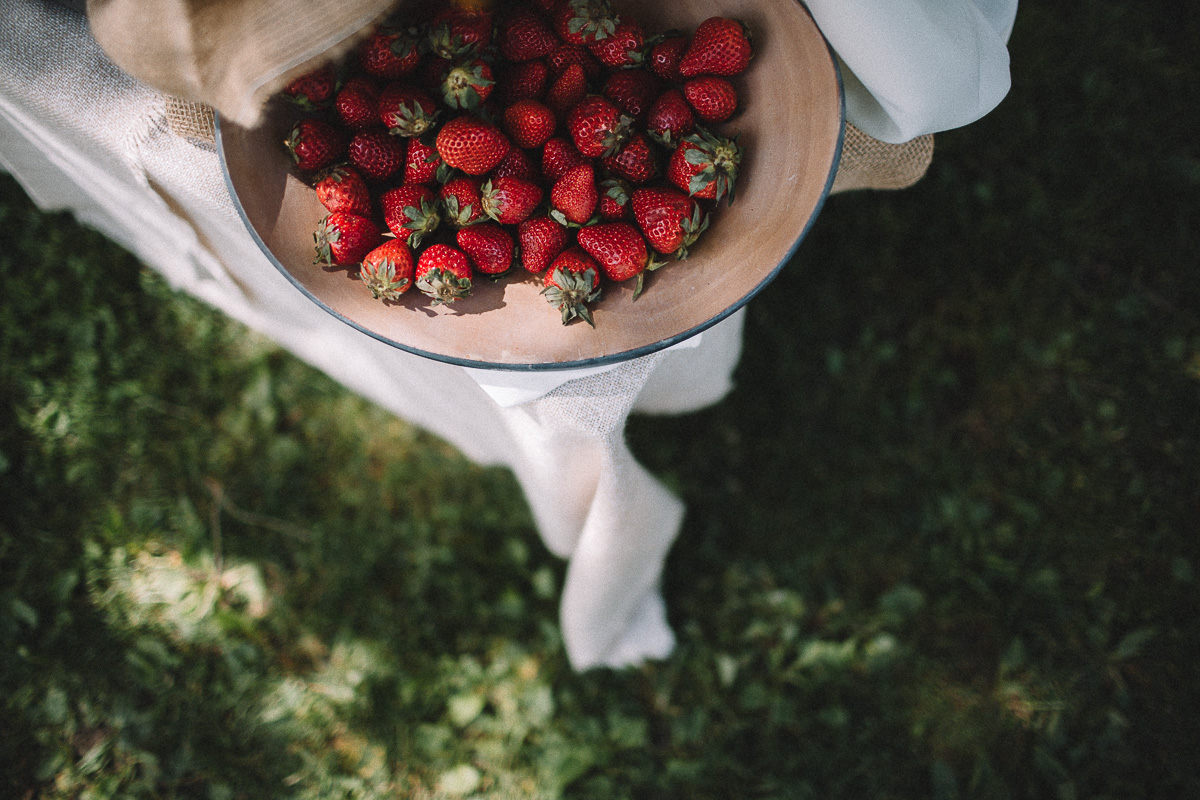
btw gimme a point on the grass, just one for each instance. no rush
(941, 543)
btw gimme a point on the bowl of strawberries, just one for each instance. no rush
(547, 184)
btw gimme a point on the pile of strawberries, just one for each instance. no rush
(549, 134)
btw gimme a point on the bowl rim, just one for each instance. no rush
(597, 361)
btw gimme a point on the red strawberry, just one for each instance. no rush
(315, 144)
(623, 48)
(597, 127)
(389, 53)
(705, 166)
(670, 118)
(541, 240)
(524, 35)
(524, 80)
(719, 46)
(357, 103)
(422, 162)
(462, 201)
(443, 273)
(713, 98)
(410, 212)
(670, 219)
(517, 164)
(471, 144)
(313, 90)
(567, 89)
(454, 33)
(558, 156)
(665, 56)
(632, 90)
(489, 246)
(406, 110)
(567, 54)
(468, 84)
(635, 162)
(510, 200)
(378, 154)
(342, 188)
(614, 200)
(529, 123)
(620, 250)
(574, 196)
(388, 270)
(344, 238)
(584, 21)
(572, 282)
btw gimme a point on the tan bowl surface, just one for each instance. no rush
(791, 129)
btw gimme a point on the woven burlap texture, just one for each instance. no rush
(868, 163)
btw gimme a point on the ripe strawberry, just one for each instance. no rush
(378, 154)
(410, 212)
(524, 80)
(517, 164)
(388, 270)
(632, 90)
(597, 127)
(471, 144)
(422, 163)
(670, 219)
(719, 46)
(713, 98)
(574, 196)
(572, 282)
(313, 90)
(635, 162)
(523, 35)
(344, 238)
(670, 118)
(510, 200)
(541, 239)
(342, 188)
(529, 123)
(468, 84)
(315, 144)
(665, 55)
(567, 89)
(443, 273)
(389, 53)
(584, 21)
(455, 33)
(357, 103)
(623, 48)
(620, 250)
(462, 201)
(558, 156)
(567, 54)
(705, 166)
(406, 110)
(489, 246)
(614, 200)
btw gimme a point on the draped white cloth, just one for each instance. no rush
(82, 136)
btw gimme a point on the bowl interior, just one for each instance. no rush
(790, 127)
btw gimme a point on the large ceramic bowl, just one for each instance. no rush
(791, 128)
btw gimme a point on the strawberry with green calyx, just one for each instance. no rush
(597, 127)
(468, 84)
(406, 110)
(422, 164)
(614, 200)
(670, 118)
(471, 144)
(571, 282)
(443, 273)
(510, 200)
(454, 33)
(714, 99)
(388, 270)
(489, 246)
(344, 239)
(632, 90)
(390, 53)
(671, 220)
(376, 153)
(342, 188)
(636, 161)
(719, 46)
(621, 251)
(541, 239)
(574, 196)
(585, 21)
(567, 89)
(523, 34)
(357, 103)
(623, 48)
(313, 90)
(410, 212)
(665, 53)
(462, 201)
(315, 144)
(705, 165)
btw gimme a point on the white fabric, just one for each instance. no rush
(80, 135)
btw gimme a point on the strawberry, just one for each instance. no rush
(632, 90)
(705, 166)
(422, 163)
(406, 110)
(635, 162)
(614, 200)
(719, 46)
(378, 154)
(670, 118)
(471, 144)
(567, 89)
(572, 282)
(670, 219)
(343, 238)
(665, 55)
(389, 53)
(357, 103)
(574, 196)
(443, 273)
(342, 188)
(584, 21)
(713, 98)
(410, 212)
(597, 127)
(567, 54)
(313, 90)
(529, 123)
(315, 144)
(524, 35)
(541, 239)
(468, 84)
(524, 80)
(620, 250)
(510, 200)
(462, 201)
(489, 246)
(558, 156)
(517, 164)
(388, 270)
(454, 33)
(623, 48)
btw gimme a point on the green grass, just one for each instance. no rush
(941, 543)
